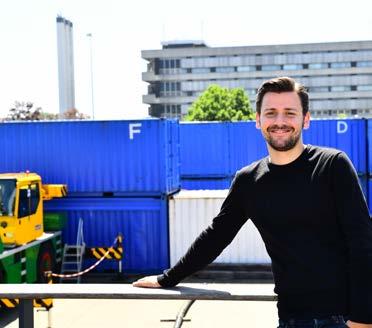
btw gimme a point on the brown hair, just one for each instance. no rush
(283, 84)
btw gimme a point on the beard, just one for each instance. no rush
(279, 144)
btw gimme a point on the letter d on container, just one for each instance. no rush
(341, 126)
(133, 130)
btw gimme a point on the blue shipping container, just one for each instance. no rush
(204, 149)
(369, 198)
(121, 157)
(206, 184)
(369, 147)
(363, 181)
(143, 223)
(246, 145)
(348, 135)
(220, 149)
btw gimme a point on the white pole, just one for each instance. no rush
(50, 318)
(89, 35)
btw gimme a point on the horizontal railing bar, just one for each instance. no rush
(240, 292)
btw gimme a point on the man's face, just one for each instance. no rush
(281, 120)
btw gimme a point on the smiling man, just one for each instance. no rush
(308, 206)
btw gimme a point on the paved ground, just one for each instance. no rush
(149, 314)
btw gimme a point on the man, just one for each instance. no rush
(308, 206)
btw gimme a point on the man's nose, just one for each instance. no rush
(280, 119)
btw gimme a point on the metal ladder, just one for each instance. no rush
(72, 260)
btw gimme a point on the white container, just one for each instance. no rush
(191, 211)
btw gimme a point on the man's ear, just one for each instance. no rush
(258, 125)
(307, 121)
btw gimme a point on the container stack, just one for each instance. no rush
(211, 153)
(118, 173)
(204, 155)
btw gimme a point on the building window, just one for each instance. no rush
(364, 87)
(339, 88)
(225, 69)
(292, 66)
(251, 92)
(250, 68)
(170, 89)
(319, 89)
(270, 67)
(170, 66)
(364, 64)
(318, 65)
(341, 65)
(172, 110)
(200, 70)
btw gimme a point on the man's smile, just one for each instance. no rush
(280, 130)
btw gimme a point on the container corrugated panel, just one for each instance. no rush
(204, 149)
(369, 198)
(363, 181)
(369, 124)
(121, 157)
(246, 145)
(173, 168)
(348, 135)
(142, 221)
(190, 212)
(210, 184)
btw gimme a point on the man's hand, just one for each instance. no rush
(352, 324)
(148, 282)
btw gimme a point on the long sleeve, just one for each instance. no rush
(356, 225)
(212, 241)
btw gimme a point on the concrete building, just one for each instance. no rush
(338, 75)
(66, 80)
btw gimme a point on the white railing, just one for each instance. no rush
(232, 292)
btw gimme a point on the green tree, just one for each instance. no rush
(221, 104)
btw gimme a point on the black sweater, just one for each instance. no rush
(313, 218)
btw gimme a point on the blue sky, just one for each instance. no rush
(121, 29)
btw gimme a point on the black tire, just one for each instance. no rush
(46, 261)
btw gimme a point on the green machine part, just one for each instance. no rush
(34, 258)
(12, 267)
(54, 221)
(1, 246)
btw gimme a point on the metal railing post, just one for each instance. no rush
(26, 313)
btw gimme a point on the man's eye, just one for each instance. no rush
(269, 114)
(291, 114)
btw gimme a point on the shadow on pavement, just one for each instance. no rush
(7, 316)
